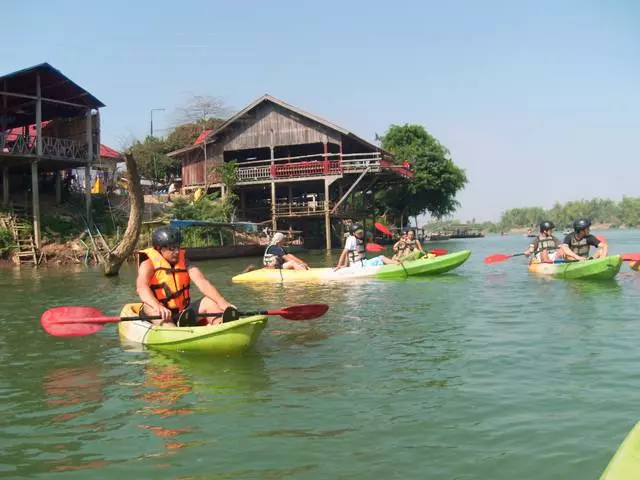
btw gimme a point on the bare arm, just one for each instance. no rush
(289, 257)
(143, 288)
(604, 250)
(343, 257)
(419, 245)
(207, 288)
(569, 253)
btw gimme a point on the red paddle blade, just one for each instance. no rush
(381, 228)
(373, 248)
(630, 257)
(499, 257)
(301, 312)
(68, 321)
(439, 251)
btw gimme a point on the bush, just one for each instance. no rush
(6, 242)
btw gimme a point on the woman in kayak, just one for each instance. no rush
(275, 255)
(576, 245)
(354, 252)
(164, 280)
(408, 245)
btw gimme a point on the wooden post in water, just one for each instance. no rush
(58, 175)
(327, 215)
(5, 186)
(35, 192)
(87, 169)
(274, 221)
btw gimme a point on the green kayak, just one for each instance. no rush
(222, 339)
(597, 268)
(433, 265)
(625, 464)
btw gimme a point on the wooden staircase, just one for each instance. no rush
(18, 224)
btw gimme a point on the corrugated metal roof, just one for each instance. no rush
(287, 106)
(54, 85)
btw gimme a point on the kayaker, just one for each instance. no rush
(354, 252)
(164, 279)
(407, 245)
(576, 245)
(276, 256)
(545, 247)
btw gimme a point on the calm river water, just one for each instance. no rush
(485, 373)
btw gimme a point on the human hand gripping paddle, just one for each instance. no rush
(77, 321)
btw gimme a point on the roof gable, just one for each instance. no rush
(268, 98)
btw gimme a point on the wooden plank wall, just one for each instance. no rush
(193, 165)
(288, 129)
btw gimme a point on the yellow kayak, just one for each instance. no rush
(625, 464)
(424, 266)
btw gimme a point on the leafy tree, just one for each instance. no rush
(436, 179)
(184, 135)
(152, 160)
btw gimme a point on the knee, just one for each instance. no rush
(207, 305)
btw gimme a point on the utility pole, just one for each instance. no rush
(151, 123)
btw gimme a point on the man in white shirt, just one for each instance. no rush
(354, 252)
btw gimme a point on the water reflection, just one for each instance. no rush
(73, 387)
(589, 289)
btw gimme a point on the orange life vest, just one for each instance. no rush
(169, 284)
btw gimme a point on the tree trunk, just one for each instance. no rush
(116, 258)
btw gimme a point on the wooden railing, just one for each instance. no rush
(314, 166)
(52, 147)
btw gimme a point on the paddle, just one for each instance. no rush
(381, 228)
(74, 321)
(630, 257)
(500, 257)
(375, 248)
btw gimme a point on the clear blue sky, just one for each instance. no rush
(538, 101)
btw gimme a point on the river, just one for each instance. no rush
(484, 373)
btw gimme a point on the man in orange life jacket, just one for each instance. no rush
(164, 278)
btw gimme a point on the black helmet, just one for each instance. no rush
(546, 225)
(355, 227)
(581, 224)
(164, 236)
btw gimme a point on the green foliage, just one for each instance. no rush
(152, 160)
(228, 174)
(185, 134)
(6, 242)
(598, 210)
(151, 154)
(209, 207)
(436, 179)
(206, 236)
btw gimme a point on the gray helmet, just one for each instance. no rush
(165, 236)
(355, 227)
(581, 224)
(546, 225)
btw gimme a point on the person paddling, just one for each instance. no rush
(276, 256)
(576, 245)
(164, 280)
(407, 246)
(545, 247)
(354, 252)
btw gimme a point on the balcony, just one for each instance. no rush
(310, 166)
(53, 148)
